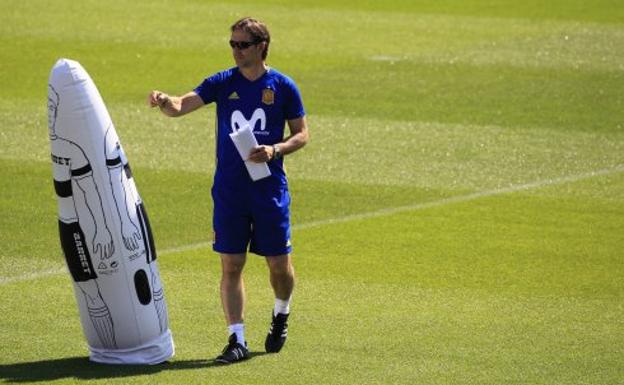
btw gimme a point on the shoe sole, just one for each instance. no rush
(226, 362)
(223, 362)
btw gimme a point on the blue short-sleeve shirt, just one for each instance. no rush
(265, 104)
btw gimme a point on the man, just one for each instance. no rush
(247, 213)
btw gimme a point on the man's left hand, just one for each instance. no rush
(261, 154)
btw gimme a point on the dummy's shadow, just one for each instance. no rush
(82, 368)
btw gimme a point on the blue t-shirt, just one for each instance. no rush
(265, 104)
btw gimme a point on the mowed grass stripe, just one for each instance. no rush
(463, 69)
(367, 215)
(473, 303)
(427, 154)
(433, 38)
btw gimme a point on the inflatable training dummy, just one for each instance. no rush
(104, 230)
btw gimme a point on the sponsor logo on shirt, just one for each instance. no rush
(233, 96)
(239, 121)
(60, 160)
(80, 247)
(108, 270)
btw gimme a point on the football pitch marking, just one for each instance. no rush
(461, 198)
(368, 215)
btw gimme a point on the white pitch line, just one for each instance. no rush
(35, 275)
(461, 198)
(367, 215)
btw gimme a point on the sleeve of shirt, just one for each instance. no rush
(80, 166)
(208, 90)
(293, 105)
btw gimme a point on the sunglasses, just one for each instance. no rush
(243, 44)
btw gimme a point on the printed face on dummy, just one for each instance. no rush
(53, 101)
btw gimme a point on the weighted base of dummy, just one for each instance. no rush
(154, 352)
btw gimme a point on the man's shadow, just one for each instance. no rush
(82, 368)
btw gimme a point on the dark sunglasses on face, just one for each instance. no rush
(242, 44)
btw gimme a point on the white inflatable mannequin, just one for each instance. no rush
(104, 230)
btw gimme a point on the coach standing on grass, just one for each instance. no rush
(248, 213)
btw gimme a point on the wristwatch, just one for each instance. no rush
(277, 154)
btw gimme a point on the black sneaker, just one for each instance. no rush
(277, 333)
(233, 352)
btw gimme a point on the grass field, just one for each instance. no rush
(458, 214)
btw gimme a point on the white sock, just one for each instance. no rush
(239, 330)
(281, 306)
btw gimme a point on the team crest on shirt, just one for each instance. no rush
(268, 96)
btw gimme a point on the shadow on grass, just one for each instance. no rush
(82, 368)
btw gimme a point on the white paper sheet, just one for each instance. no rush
(245, 141)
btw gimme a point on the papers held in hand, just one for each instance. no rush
(245, 141)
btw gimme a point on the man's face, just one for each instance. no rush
(246, 57)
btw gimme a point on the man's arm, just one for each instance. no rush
(175, 105)
(298, 138)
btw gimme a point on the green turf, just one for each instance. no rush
(447, 225)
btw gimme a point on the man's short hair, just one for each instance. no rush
(256, 29)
